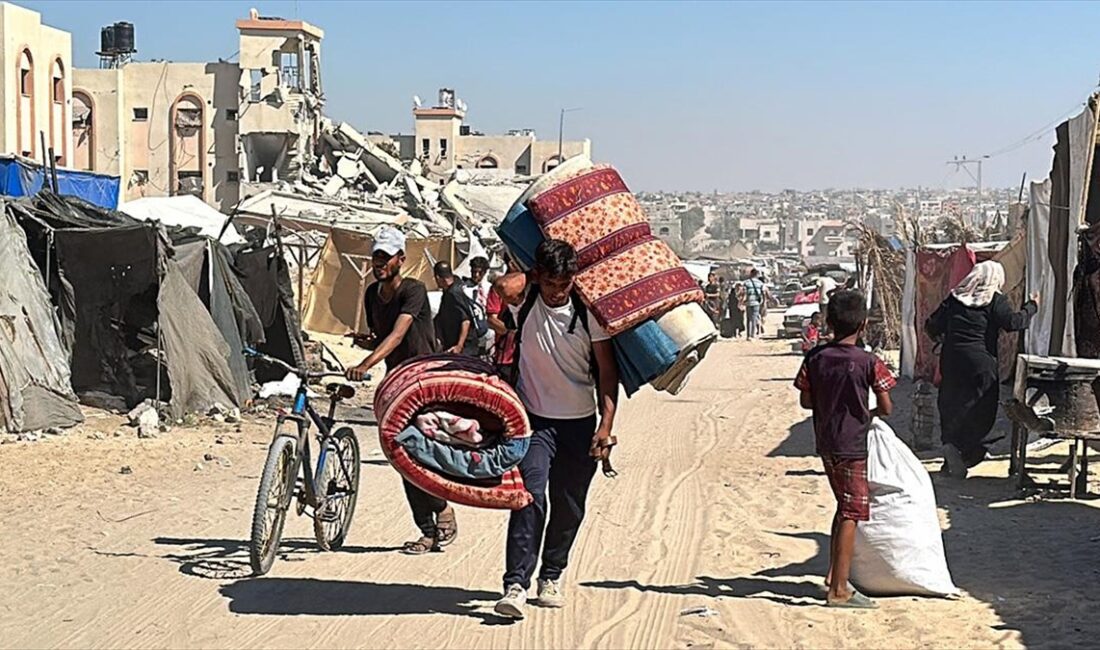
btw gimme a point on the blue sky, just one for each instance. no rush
(691, 96)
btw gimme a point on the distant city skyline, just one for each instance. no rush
(690, 96)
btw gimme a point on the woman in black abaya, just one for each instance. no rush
(968, 324)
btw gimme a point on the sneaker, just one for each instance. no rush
(550, 594)
(513, 603)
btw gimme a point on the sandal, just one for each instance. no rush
(446, 526)
(422, 546)
(857, 601)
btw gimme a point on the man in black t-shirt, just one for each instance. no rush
(400, 321)
(454, 324)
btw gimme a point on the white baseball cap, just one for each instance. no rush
(390, 241)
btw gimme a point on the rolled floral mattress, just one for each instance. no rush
(461, 384)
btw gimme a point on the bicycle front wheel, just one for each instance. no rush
(272, 502)
(339, 484)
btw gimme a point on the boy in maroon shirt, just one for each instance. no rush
(836, 381)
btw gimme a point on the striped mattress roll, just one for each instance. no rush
(448, 381)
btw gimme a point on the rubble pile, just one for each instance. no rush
(359, 184)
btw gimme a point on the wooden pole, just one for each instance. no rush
(53, 172)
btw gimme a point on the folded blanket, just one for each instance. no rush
(463, 385)
(692, 333)
(643, 353)
(626, 274)
(688, 326)
(487, 463)
(521, 235)
(450, 429)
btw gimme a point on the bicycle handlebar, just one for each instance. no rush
(305, 375)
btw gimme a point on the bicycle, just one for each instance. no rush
(330, 491)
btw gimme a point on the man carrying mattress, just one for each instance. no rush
(401, 328)
(562, 357)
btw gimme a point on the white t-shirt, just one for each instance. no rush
(554, 377)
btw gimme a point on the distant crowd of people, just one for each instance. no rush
(738, 307)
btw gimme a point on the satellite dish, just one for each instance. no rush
(416, 101)
(462, 106)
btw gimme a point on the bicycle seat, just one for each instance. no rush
(340, 391)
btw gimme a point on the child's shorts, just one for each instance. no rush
(848, 479)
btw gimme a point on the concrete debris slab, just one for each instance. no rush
(334, 185)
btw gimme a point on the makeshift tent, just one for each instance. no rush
(35, 389)
(23, 177)
(185, 211)
(1058, 209)
(208, 268)
(1014, 260)
(266, 278)
(334, 300)
(126, 309)
(699, 270)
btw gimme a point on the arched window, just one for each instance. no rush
(57, 82)
(24, 103)
(551, 163)
(83, 131)
(187, 139)
(58, 138)
(664, 231)
(488, 162)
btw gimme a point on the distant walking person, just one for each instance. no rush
(454, 324)
(713, 295)
(755, 296)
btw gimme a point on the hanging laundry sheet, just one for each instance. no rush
(938, 270)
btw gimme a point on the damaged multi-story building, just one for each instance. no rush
(249, 136)
(168, 128)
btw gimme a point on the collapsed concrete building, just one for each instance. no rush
(250, 137)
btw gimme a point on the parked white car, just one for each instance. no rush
(795, 318)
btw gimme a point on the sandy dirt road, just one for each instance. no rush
(720, 503)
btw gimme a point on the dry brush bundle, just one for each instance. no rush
(887, 267)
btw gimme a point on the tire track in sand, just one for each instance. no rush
(678, 531)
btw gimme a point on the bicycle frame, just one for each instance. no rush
(304, 415)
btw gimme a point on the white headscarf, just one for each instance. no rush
(983, 282)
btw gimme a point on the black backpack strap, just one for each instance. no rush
(521, 318)
(580, 313)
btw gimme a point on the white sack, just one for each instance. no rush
(900, 550)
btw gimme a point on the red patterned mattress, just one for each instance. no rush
(456, 383)
(626, 274)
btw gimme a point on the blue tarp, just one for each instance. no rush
(20, 177)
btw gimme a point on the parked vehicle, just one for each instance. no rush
(795, 318)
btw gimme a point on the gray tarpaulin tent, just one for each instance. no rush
(209, 270)
(124, 303)
(35, 392)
